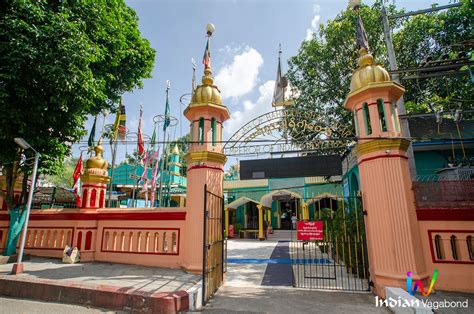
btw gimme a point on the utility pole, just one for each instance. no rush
(400, 103)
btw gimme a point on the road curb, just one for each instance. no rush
(101, 296)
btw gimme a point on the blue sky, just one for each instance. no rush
(244, 52)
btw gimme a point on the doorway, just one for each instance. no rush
(287, 209)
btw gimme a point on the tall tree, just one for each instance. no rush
(322, 73)
(323, 66)
(60, 62)
(441, 37)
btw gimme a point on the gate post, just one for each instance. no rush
(205, 162)
(393, 237)
(261, 236)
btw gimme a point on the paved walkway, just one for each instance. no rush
(289, 300)
(243, 291)
(20, 306)
(129, 277)
(247, 262)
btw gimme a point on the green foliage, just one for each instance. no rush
(63, 178)
(323, 66)
(60, 62)
(436, 35)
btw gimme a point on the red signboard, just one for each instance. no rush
(310, 230)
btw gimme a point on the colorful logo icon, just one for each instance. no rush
(418, 283)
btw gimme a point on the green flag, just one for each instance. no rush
(91, 139)
(153, 139)
(167, 108)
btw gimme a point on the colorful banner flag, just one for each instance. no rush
(362, 40)
(155, 157)
(77, 181)
(206, 58)
(140, 143)
(153, 139)
(167, 108)
(120, 128)
(91, 140)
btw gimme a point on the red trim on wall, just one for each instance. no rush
(433, 259)
(205, 167)
(137, 228)
(105, 216)
(445, 214)
(383, 156)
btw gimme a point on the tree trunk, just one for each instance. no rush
(17, 216)
(17, 221)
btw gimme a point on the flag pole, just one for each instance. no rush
(168, 181)
(164, 146)
(114, 154)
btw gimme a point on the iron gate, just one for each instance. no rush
(339, 261)
(214, 248)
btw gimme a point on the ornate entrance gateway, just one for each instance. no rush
(289, 130)
(337, 259)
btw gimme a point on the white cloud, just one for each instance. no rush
(251, 109)
(239, 77)
(314, 22)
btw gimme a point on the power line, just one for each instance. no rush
(355, 139)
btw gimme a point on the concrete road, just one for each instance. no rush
(17, 306)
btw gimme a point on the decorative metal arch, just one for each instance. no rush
(289, 130)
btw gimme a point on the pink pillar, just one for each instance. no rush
(205, 162)
(393, 237)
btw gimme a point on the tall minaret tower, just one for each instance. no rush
(393, 238)
(205, 160)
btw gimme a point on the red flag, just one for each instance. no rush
(78, 170)
(77, 181)
(141, 144)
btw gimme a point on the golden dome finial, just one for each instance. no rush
(97, 161)
(207, 78)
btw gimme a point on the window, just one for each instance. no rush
(470, 249)
(191, 135)
(395, 117)
(356, 122)
(93, 198)
(382, 115)
(454, 250)
(213, 130)
(439, 251)
(201, 131)
(368, 127)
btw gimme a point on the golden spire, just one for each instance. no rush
(207, 92)
(175, 150)
(97, 162)
(368, 71)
